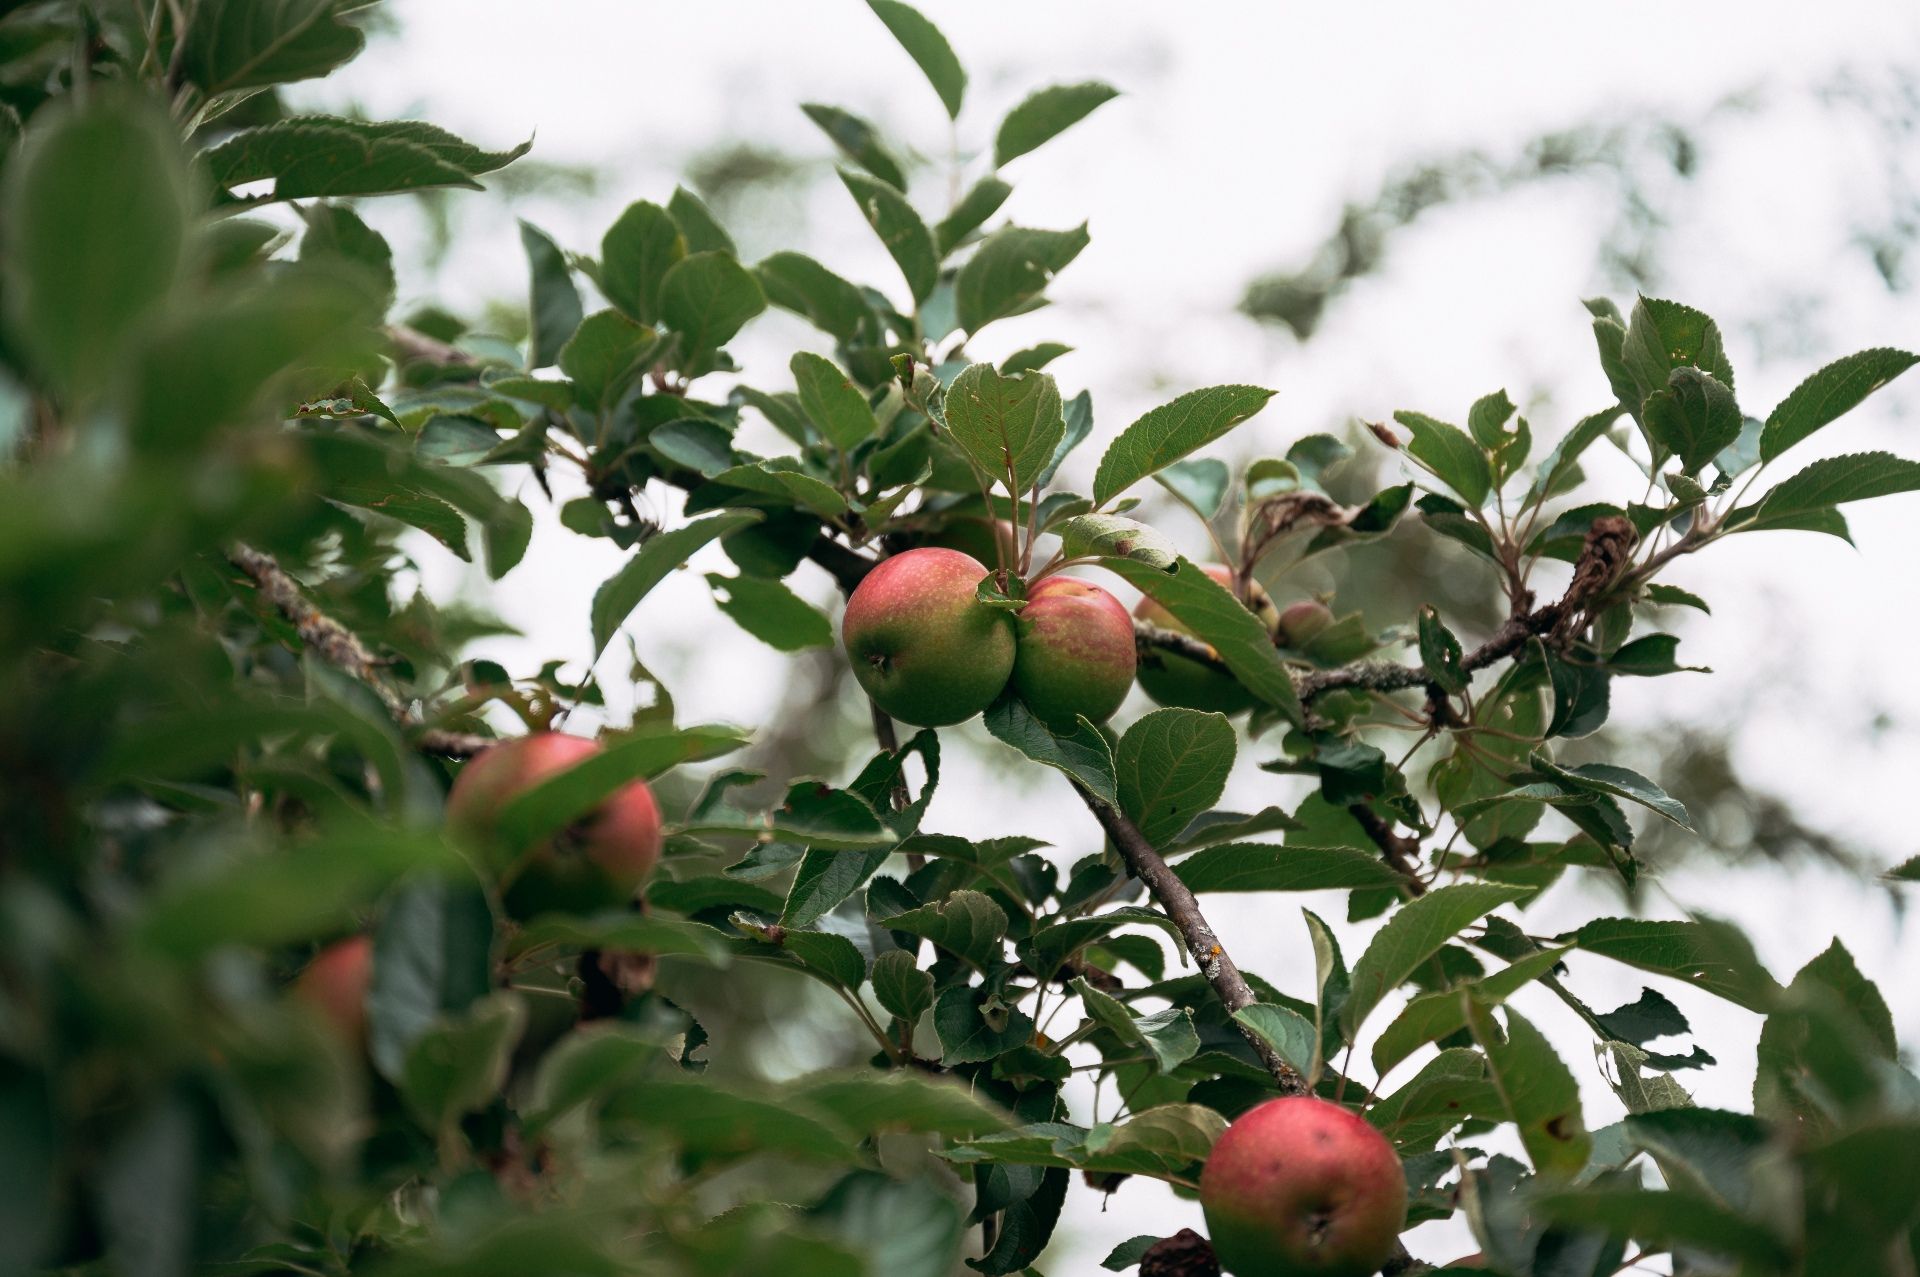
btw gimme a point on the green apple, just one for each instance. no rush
(1298, 1187)
(921, 642)
(1076, 654)
(1175, 680)
(598, 862)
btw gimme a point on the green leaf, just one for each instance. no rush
(832, 957)
(869, 1103)
(566, 796)
(906, 237)
(246, 44)
(621, 593)
(1664, 1220)
(1170, 432)
(1007, 426)
(1045, 115)
(859, 141)
(1200, 482)
(1674, 596)
(982, 200)
(97, 208)
(1828, 394)
(1826, 483)
(824, 879)
(460, 1065)
(1413, 935)
(553, 304)
(707, 298)
(708, 1120)
(1219, 619)
(1167, 1141)
(1034, 358)
(975, 1024)
(832, 402)
(322, 155)
(1168, 1035)
(1706, 954)
(606, 352)
(1010, 271)
(1171, 766)
(1432, 1016)
(1050, 946)
(1440, 653)
(1615, 782)
(285, 896)
(1561, 469)
(432, 956)
(1251, 866)
(638, 250)
(697, 222)
(1447, 450)
(1083, 755)
(928, 48)
(1662, 336)
(1113, 536)
(630, 933)
(791, 486)
(1709, 1151)
(967, 924)
(901, 986)
(772, 613)
(1537, 1090)
(1286, 1031)
(796, 282)
(1693, 417)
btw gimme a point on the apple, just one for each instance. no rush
(1298, 1187)
(1300, 622)
(921, 642)
(1076, 653)
(335, 984)
(598, 862)
(1177, 681)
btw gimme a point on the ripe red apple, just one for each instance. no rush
(595, 863)
(335, 984)
(1076, 652)
(1300, 622)
(1176, 681)
(1298, 1187)
(921, 642)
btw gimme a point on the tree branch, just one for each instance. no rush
(1178, 901)
(340, 647)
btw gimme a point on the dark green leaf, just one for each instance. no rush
(322, 155)
(967, 924)
(1432, 1016)
(772, 613)
(901, 986)
(859, 141)
(975, 1024)
(621, 593)
(906, 237)
(1455, 459)
(1083, 755)
(982, 200)
(1693, 417)
(1170, 432)
(432, 956)
(1045, 115)
(1440, 653)
(1824, 484)
(707, 298)
(1537, 1090)
(553, 305)
(796, 282)
(1008, 426)
(1705, 954)
(1218, 618)
(1171, 765)
(928, 48)
(638, 250)
(1167, 1035)
(697, 222)
(1248, 866)
(1412, 936)
(246, 44)
(1010, 271)
(1286, 1031)
(96, 220)
(1828, 394)
(460, 1064)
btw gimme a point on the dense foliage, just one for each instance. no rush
(230, 730)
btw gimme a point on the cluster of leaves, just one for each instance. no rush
(210, 782)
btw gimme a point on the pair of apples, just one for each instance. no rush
(931, 653)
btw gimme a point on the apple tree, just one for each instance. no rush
(329, 948)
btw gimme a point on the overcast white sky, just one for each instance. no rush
(1243, 129)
